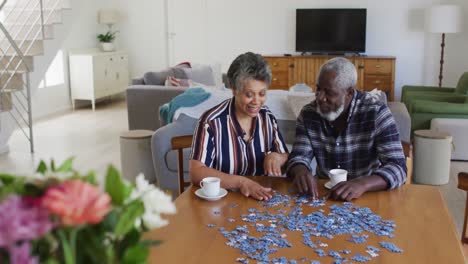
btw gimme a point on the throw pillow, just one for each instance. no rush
(201, 74)
(155, 78)
(173, 81)
(379, 95)
(159, 78)
(297, 100)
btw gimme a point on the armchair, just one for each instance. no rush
(426, 102)
(423, 111)
(410, 92)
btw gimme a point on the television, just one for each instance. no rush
(331, 30)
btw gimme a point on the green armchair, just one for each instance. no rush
(426, 102)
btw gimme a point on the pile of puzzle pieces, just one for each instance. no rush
(346, 219)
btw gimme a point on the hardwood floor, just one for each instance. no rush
(93, 138)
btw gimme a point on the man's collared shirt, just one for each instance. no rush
(218, 140)
(369, 145)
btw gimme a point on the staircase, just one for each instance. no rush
(25, 26)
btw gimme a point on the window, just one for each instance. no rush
(55, 73)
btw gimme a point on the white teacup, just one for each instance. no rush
(338, 175)
(210, 186)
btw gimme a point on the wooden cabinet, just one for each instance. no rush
(373, 71)
(95, 74)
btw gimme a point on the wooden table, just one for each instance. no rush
(425, 230)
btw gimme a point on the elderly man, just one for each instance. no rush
(348, 129)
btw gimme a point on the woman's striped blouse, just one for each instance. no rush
(218, 141)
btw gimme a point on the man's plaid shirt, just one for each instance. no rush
(370, 144)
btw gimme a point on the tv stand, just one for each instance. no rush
(373, 71)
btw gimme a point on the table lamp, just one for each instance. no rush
(443, 19)
(108, 17)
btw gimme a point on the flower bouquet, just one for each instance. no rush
(60, 216)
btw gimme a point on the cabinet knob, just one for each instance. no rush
(275, 79)
(378, 66)
(360, 67)
(291, 65)
(377, 82)
(275, 64)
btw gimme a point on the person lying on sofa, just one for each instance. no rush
(240, 136)
(347, 129)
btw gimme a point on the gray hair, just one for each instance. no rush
(346, 74)
(248, 66)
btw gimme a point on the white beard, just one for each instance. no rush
(332, 115)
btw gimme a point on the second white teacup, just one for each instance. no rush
(338, 175)
(210, 186)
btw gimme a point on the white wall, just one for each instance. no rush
(215, 31)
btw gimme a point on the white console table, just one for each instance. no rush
(95, 74)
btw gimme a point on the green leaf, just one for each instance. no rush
(42, 167)
(90, 177)
(7, 178)
(127, 219)
(66, 165)
(16, 187)
(135, 255)
(110, 221)
(51, 261)
(151, 243)
(66, 247)
(115, 186)
(52, 165)
(91, 247)
(130, 239)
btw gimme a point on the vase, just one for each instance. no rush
(107, 46)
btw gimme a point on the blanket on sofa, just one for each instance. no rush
(189, 98)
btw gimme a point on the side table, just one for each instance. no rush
(135, 154)
(432, 153)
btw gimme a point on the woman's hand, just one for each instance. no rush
(273, 163)
(250, 188)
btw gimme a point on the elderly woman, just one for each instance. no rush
(240, 136)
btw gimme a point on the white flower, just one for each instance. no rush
(156, 202)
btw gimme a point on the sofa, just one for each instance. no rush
(143, 102)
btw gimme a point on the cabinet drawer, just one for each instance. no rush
(377, 81)
(279, 80)
(378, 66)
(278, 64)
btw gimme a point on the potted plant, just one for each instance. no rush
(106, 40)
(59, 215)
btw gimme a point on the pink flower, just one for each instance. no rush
(21, 254)
(20, 221)
(77, 202)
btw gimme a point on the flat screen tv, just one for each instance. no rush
(331, 30)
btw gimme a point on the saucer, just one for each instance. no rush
(329, 185)
(221, 194)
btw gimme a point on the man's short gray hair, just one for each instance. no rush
(248, 66)
(346, 74)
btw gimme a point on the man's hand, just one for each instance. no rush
(250, 188)
(354, 189)
(348, 190)
(273, 162)
(304, 181)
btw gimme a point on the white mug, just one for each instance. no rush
(338, 175)
(210, 186)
